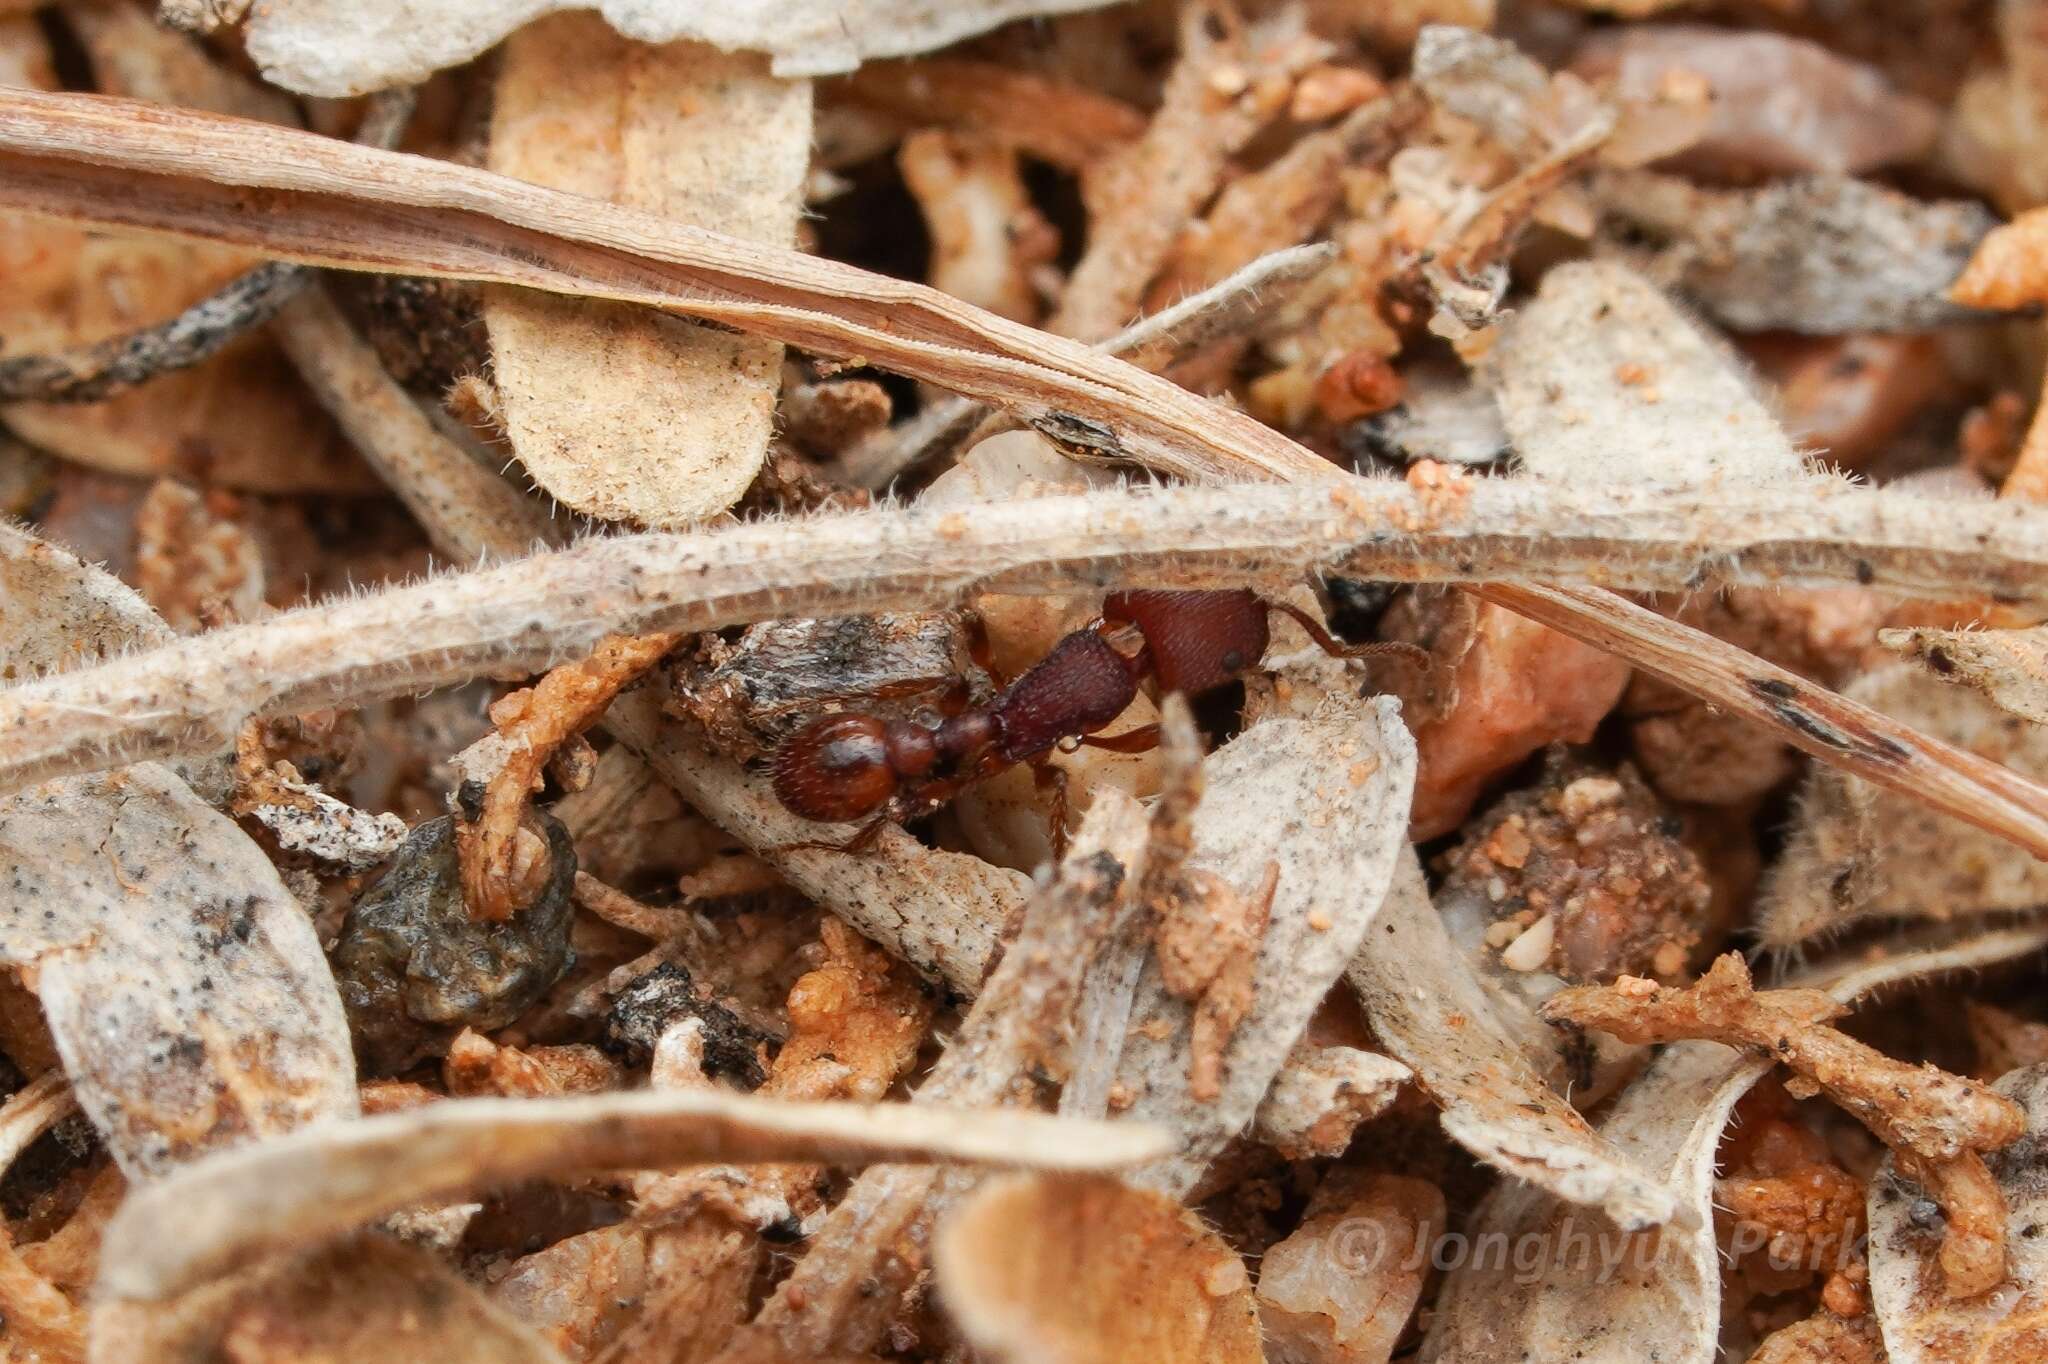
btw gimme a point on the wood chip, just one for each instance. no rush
(617, 413)
(301, 1190)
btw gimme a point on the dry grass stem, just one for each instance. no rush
(530, 615)
(311, 1186)
(469, 512)
(32, 1110)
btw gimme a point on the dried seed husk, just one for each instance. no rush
(2008, 666)
(369, 1298)
(618, 413)
(1045, 1271)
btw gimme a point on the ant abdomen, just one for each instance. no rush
(836, 769)
(1079, 687)
(1196, 641)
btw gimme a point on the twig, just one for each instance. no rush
(87, 374)
(467, 511)
(529, 615)
(1151, 343)
(1812, 718)
(32, 1110)
(144, 166)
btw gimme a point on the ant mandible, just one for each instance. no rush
(850, 766)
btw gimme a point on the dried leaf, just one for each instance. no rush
(1432, 1012)
(1044, 1271)
(1817, 254)
(1858, 853)
(185, 987)
(336, 48)
(2006, 271)
(371, 1298)
(1922, 1323)
(1602, 379)
(2008, 666)
(618, 413)
(1326, 801)
(1579, 1285)
(316, 1184)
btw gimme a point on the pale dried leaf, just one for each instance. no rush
(2008, 666)
(349, 47)
(1044, 1271)
(1857, 852)
(1584, 1289)
(319, 1183)
(1601, 379)
(371, 1298)
(1326, 801)
(184, 986)
(1815, 254)
(1922, 1323)
(1432, 1012)
(621, 414)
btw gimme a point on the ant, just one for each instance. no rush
(849, 766)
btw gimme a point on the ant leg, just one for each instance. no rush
(862, 841)
(1051, 775)
(1411, 654)
(1143, 739)
(981, 653)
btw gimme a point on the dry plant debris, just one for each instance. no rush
(686, 373)
(1025, 1267)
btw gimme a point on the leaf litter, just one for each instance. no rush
(635, 1035)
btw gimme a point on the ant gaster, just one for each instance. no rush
(850, 766)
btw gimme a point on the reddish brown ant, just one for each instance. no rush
(849, 766)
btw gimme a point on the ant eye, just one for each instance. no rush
(835, 769)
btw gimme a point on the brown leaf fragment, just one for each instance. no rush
(1857, 852)
(314, 1185)
(369, 1298)
(1430, 1009)
(1342, 1286)
(1042, 1271)
(1813, 254)
(1912, 1282)
(2009, 666)
(1780, 105)
(619, 414)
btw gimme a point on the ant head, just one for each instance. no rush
(836, 769)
